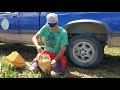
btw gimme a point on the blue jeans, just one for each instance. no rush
(58, 68)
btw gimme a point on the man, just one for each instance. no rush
(55, 41)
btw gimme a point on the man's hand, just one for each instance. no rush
(53, 63)
(39, 49)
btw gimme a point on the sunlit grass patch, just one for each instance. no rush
(7, 70)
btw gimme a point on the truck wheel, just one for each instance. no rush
(85, 51)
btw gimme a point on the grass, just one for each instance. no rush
(108, 68)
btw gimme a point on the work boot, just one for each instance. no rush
(54, 74)
(33, 69)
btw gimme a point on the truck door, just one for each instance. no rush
(29, 25)
(9, 27)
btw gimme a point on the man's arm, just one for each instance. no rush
(53, 62)
(64, 42)
(35, 42)
(63, 48)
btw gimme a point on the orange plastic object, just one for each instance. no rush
(16, 59)
(44, 62)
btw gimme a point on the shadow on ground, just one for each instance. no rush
(27, 52)
(108, 68)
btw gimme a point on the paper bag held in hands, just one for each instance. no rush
(44, 62)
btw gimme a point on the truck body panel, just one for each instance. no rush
(23, 25)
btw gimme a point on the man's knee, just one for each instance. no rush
(34, 67)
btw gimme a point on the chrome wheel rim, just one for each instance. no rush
(83, 52)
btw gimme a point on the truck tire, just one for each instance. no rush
(85, 51)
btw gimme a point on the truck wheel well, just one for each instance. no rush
(97, 30)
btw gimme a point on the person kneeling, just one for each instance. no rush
(55, 42)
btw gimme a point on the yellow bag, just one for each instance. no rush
(44, 62)
(16, 59)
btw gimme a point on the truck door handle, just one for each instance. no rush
(15, 16)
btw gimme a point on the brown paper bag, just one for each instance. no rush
(16, 59)
(44, 62)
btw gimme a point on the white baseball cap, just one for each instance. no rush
(52, 18)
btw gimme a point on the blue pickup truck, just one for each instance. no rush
(88, 32)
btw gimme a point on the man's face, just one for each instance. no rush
(53, 26)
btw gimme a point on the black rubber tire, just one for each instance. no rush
(96, 46)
